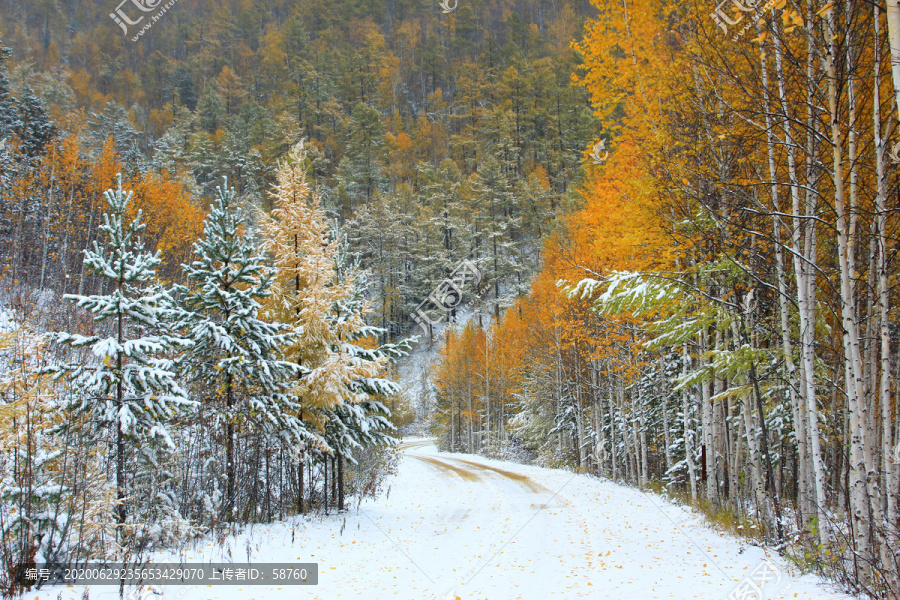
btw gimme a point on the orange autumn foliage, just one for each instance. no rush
(621, 225)
(173, 219)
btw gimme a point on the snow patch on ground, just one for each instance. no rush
(457, 525)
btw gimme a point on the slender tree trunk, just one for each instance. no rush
(120, 435)
(889, 493)
(688, 443)
(333, 481)
(848, 309)
(893, 22)
(340, 478)
(805, 267)
(300, 482)
(706, 416)
(46, 240)
(229, 449)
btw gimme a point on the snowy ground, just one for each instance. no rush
(458, 525)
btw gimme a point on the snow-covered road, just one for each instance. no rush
(463, 526)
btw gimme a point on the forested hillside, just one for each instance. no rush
(433, 137)
(214, 230)
(658, 239)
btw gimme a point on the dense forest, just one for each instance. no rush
(718, 319)
(439, 137)
(225, 226)
(681, 219)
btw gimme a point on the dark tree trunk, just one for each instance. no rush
(300, 484)
(120, 437)
(340, 477)
(333, 483)
(229, 452)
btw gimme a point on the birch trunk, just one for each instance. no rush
(686, 409)
(848, 318)
(706, 416)
(805, 269)
(888, 498)
(893, 22)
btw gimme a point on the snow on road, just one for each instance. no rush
(464, 526)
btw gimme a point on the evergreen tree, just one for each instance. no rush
(360, 171)
(132, 386)
(362, 420)
(8, 107)
(184, 85)
(211, 108)
(112, 122)
(235, 360)
(498, 227)
(33, 127)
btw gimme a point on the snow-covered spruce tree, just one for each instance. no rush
(236, 362)
(33, 128)
(362, 421)
(131, 386)
(306, 293)
(8, 105)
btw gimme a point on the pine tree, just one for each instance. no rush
(235, 359)
(498, 225)
(132, 386)
(8, 107)
(33, 127)
(360, 171)
(112, 122)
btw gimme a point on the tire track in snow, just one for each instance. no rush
(530, 485)
(446, 467)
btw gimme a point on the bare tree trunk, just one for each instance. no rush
(889, 497)
(805, 269)
(893, 22)
(706, 416)
(120, 436)
(850, 336)
(688, 443)
(340, 478)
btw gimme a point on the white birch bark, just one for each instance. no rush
(688, 434)
(893, 22)
(888, 496)
(850, 336)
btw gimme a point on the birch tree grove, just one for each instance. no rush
(719, 316)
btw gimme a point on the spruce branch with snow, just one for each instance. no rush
(130, 387)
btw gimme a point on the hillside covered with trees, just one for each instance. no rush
(216, 228)
(212, 240)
